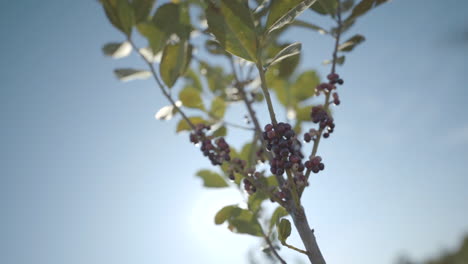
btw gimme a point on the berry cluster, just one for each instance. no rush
(282, 141)
(218, 152)
(249, 187)
(320, 115)
(311, 135)
(315, 164)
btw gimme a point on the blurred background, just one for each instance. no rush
(87, 175)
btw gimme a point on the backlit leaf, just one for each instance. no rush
(351, 43)
(289, 51)
(174, 62)
(232, 24)
(212, 179)
(218, 107)
(117, 50)
(127, 74)
(277, 214)
(184, 126)
(191, 98)
(284, 230)
(290, 15)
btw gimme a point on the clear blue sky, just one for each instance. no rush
(88, 176)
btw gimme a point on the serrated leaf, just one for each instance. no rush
(232, 24)
(191, 98)
(184, 126)
(277, 214)
(290, 15)
(300, 23)
(174, 62)
(284, 230)
(127, 74)
(351, 43)
(226, 212)
(288, 51)
(212, 179)
(117, 50)
(218, 107)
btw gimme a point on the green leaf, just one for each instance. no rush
(126, 16)
(191, 98)
(193, 80)
(284, 230)
(325, 7)
(277, 214)
(288, 51)
(117, 50)
(304, 87)
(184, 126)
(245, 223)
(127, 74)
(142, 9)
(174, 62)
(173, 18)
(226, 213)
(363, 7)
(214, 48)
(217, 80)
(303, 113)
(245, 152)
(169, 19)
(300, 23)
(232, 24)
(255, 200)
(290, 15)
(220, 132)
(212, 179)
(111, 10)
(278, 8)
(218, 107)
(156, 38)
(351, 43)
(240, 220)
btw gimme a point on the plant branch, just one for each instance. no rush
(294, 248)
(307, 236)
(161, 86)
(327, 96)
(266, 93)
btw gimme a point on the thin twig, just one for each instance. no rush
(327, 96)
(161, 86)
(272, 247)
